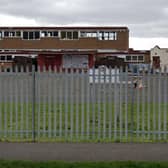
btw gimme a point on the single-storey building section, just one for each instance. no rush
(66, 59)
(134, 59)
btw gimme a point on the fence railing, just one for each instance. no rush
(97, 105)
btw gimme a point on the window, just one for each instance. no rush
(88, 34)
(134, 58)
(25, 35)
(5, 58)
(9, 58)
(128, 58)
(107, 35)
(83, 34)
(140, 58)
(49, 34)
(63, 35)
(12, 33)
(0, 34)
(44, 34)
(37, 35)
(112, 36)
(69, 35)
(6, 34)
(31, 35)
(55, 33)
(2, 58)
(75, 35)
(18, 34)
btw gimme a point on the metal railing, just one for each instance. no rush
(98, 105)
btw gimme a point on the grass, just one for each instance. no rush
(57, 164)
(96, 122)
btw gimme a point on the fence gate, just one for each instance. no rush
(97, 105)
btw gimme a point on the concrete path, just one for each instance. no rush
(84, 152)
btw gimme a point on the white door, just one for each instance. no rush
(75, 61)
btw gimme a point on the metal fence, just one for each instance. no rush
(98, 105)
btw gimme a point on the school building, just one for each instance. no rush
(67, 47)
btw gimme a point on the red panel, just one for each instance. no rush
(49, 60)
(56, 60)
(40, 61)
(91, 61)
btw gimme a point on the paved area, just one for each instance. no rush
(84, 151)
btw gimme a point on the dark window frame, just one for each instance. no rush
(9, 57)
(31, 35)
(2, 56)
(140, 56)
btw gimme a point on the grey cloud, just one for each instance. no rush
(145, 18)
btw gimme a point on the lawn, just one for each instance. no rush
(128, 164)
(95, 122)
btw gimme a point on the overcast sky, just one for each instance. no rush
(147, 20)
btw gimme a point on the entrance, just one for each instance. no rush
(156, 62)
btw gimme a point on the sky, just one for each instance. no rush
(147, 20)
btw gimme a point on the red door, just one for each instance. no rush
(49, 62)
(156, 62)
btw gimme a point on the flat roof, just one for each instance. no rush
(69, 51)
(66, 28)
(29, 52)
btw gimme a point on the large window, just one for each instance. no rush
(9, 57)
(49, 34)
(141, 58)
(128, 58)
(31, 35)
(12, 34)
(69, 35)
(107, 35)
(134, 58)
(5, 58)
(88, 34)
(101, 35)
(25, 35)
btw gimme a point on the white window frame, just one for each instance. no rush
(134, 61)
(33, 35)
(141, 56)
(89, 34)
(66, 35)
(10, 34)
(5, 60)
(1, 36)
(107, 35)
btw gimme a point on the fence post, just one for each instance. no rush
(33, 103)
(133, 86)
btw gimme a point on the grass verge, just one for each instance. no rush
(57, 164)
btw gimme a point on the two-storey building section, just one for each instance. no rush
(63, 46)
